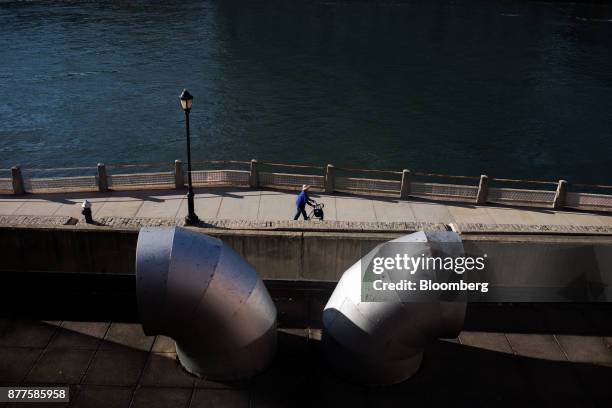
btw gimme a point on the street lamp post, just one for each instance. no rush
(186, 102)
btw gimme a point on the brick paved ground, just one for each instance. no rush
(116, 365)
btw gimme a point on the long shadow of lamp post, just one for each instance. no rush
(186, 102)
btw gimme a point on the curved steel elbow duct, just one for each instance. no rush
(198, 291)
(381, 342)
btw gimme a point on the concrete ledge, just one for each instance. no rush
(466, 228)
(282, 225)
(36, 220)
(206, 225)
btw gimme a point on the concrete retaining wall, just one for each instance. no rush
(545, 269)
(275, 254)
(558, 268)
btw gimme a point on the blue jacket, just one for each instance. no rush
(302, 200)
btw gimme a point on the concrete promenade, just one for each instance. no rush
(241, 204)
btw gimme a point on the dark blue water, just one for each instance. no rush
(507, 88)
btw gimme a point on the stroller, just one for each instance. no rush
(317, 211)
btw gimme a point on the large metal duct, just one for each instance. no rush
(198, 291)
(381, 342)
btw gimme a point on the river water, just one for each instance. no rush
(507, 88)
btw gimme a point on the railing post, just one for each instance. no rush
(483, 190)
(102, 177)
(330, 177)
(254, 174)
(405, 186)
(18, 185)
(560, 194)
(179, 174)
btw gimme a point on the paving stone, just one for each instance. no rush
(484, 340)
(281, 398)
(116, 367)
(583, 218)
(220, 385)
(26, 334)
(127, 335)
(148, 397)
(80, 335)
(288, 375)
(431, 212)
(164, 370)
(102, 397)
(9, 207)
(586, 348)
(206, 398)
(119, 207)
(553, 380)
(597, 380)
(341, 394)
(164, 344)
(470, 214)
(503, 215)
(355, 209)
(536, 345)
(205, 206)
(160, 207)
(456, 371)
(242, 205)
(15, 363)
(37, 208)
(383, 398)
(63, 366)
(276, 206)
(605, 219)
(393, 210)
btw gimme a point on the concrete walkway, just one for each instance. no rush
(267, 205)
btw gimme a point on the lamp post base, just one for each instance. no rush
(192, 219)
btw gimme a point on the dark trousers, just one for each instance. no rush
(300, 210)
(87, 213)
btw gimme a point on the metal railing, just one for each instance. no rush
(232, 173)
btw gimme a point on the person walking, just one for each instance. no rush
(301, 201)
